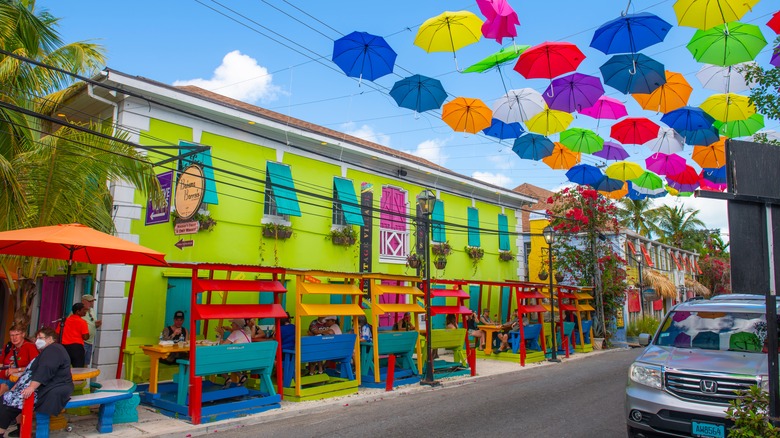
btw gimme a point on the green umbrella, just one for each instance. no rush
(582, 140)
(740, 128)
(496, 60)
(648, 180)
(727, 44)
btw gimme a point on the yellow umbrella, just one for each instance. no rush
(672, 191)
(712, 156)
(704, 14)
(616, 194)
(669, 96)
(449, 32)
(624, 170)
(562, 157)
(549, 121)
(466, 114)
(728, 107)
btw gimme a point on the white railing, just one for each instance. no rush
(393, 246)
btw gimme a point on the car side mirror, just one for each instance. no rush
(644, 339)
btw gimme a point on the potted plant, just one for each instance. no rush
(441, 249)
(276, 231)
(205, 221)
(558, 277)
(506, 256)
(440, 262)
(344, 236)
(543, 274)
(476, 254)
(413, 261)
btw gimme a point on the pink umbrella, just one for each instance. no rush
(606, 108)
(665, 164)
(500, 21)
(706, 184)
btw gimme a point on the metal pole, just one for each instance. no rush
(773, 367)
(428, 323)
(554, 354)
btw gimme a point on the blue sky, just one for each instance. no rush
(276, 54)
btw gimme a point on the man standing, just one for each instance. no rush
(74, 334)
(92, 323)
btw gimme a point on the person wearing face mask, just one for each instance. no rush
(47, 378)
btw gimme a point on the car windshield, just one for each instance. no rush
(732, 331)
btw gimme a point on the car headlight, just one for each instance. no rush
(645, 375)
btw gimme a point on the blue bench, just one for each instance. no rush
(336, 348)
(531, 334)
(586, 326)
(400, 344)
(106, 400)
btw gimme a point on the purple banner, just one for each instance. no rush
(162, 215)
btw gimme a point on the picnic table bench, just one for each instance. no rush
(106, 400)
(450, 339)
(401, 344)
(335, 348)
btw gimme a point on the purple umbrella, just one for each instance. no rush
(663, 164)
(573, 92)
(775, 57)
(612, 151)
(682, 187)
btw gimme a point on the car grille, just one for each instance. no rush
(690, 387)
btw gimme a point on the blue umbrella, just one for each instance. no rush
(585, 174)
(607, 184)
(630, 33)
(716, 175)
(502, 130)
(692, 123)
(362, 55)
(419, 93)
(611, 151)
(533, 147)
(633, 194)
(634, 73)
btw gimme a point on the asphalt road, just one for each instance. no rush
(579, 398)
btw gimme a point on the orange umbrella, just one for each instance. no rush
(617, 194)
(562, 157)
(669, 96)
(712, 156)
(466, 114)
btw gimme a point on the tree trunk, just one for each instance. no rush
(22, 299)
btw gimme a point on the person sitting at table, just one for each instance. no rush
(176, 333)
(47, 377)
(331, 326)
(16, 355)
(484, 318)
(364, 329)
(474, 331)
(404, 324)
(503, 336)
(256, 333)
(74, 333)
(287, 333)
(317, 327)
(238, 333)
(452, 322)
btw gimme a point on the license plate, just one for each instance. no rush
(708, 430)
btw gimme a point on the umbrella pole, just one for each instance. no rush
(65, 293)
(126, 325)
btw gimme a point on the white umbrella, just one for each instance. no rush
(725, 79)
(518, 105)
(667, 142)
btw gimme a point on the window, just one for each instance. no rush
(281, 199)
(393, 229)
(346, 210)
(473, 226)
(503, 233)
(437, 223)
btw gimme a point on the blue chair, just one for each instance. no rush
(531, 334)
(586, 326)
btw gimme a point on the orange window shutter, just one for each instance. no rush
(647, 256)
(696, 263)
(676, 262)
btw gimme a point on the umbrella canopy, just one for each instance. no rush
(562, 158)
(549, 122)
(687, 176)
(466, 114)
(727, 44)
(503, 131)
(449, 32)
(725, 79)
(419, 93)
(630, 33)
(582, 140)
(573, 92)
(669, 96)
(533, 147)
(605, 108)
(497, 59)
(633, 193)
(634, 130)
(741, 128)
(633, 73)
(608, 185)
(362, 55)
(728, 107)
(501, 20)
(774, 22)
(706, 184)
(612, 151)
(715, 175)
(704, 14)
(518, 105)
(665, 164)
(585, 174)
(692, 123)
(668, 141)
(616, 194)
(683, 187)
(649, 181)
(775, 57)
(624, 170)
(548, 60)
(713, 155)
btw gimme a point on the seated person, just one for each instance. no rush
(364, 329)
(287, 333)
(404, 324)
(331, 326)
(16, 355)
(503, 335)
(484, 318)
(452, 322)
(175, 333)
(474, 331)
(317, 327)
(256, 333)
(238, 333)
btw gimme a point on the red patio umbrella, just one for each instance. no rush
(548, 60)
(634, 130)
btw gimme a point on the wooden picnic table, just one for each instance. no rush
(489, 329)
(77, 373)
(157, 352)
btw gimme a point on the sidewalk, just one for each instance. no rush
(153, 424)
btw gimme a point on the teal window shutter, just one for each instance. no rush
(347, 199)
(279, 180)
(437, 222)
(503, 233)
(204, 159)
(473, 226)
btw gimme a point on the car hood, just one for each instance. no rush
(711, 361)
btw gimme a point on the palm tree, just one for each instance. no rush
(679, 226)
(638, 215)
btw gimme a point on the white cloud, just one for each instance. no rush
(498, 179)
(431, 150)
(366, 133)
(500, 161)
(712, 212)
(238, 77)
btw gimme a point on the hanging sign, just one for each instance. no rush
(190, 190)
(162, 215)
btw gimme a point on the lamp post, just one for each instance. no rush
(549, 237)
(426, 201)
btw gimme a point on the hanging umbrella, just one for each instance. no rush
(648, 181)
(665, 164)
(548, 60)
(669, 96)
(419, 93)
(775, 57)
(518, 105)
(668, 141)
(496, 60)
(728, 107)
(634, 194)
(605, 108)
(633, 73)
(611, 151)
(616, 194)
(533, 147)
(573, 92)
(774, 22)
(716, 175)
(693, 124)
(705, 184)
(741, 128)
(704, 14)
(607, 184)
(362, 55)
(725, 79)
(449, 32)
(503, 131)
(466, 114)
(584, 174)
(624, 170)
(549, 122)
(562, 158)
(713, 155)
(630, 33)
(727, 44)
(685, 181)
(501, 20)
(634, 130)
(582, 140)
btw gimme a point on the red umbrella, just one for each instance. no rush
(548, 60)
(634, 130)
(687, 176)
(774, 22)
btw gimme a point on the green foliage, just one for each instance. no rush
(441, 249)
(645, 324)
(276, 231)
(750, 415)
(638, 215)
(766, 94)
(346, 236)
(680, 227)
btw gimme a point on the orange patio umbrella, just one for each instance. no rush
(669, 96)
(711, 156)
(466, 114)
(562, 157)
(616, 194)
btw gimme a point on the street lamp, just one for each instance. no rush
(425, 202)
(549, 237)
